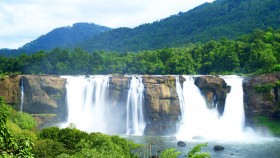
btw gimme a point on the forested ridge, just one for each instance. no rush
(258, 52)
(209, 21)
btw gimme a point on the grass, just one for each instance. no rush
(271, 124)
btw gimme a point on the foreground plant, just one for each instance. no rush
(195, 152)
(9, 145)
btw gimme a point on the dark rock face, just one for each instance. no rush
(214, 90)
(161, 105)
(262, 96)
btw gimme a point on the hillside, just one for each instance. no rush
(65, 37)
(210, 21)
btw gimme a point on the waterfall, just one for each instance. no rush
(21, 95)
(135, 124)
(234, 117)
(86, 101)
(200, 122)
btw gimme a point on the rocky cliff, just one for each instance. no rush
(47, 94)
(161, 106)
(10, 89)
(160, 99)
(44, 94)
(262, 96)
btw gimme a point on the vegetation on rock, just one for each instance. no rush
(272, 124)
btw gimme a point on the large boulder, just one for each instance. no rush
(161, 105)
(262, 96)
(214, 90)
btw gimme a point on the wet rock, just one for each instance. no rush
(214, 90)
(218, 148)
(181, 144)
(154, 156)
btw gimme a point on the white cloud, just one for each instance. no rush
(24, 20)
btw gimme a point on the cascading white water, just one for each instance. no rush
(21, 95)
(86, 99)
(199, 121)
(233, 117)
(135, 124)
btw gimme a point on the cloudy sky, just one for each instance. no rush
(22, 21)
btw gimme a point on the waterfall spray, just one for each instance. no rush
(200, 122)
(86, 102)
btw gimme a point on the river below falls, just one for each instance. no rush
(262, 148)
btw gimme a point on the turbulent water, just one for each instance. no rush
(86, 100)
(91, 108)
(200, 122)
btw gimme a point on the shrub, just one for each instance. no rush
(9, 145)
(195, 152)
(170, 153)
(70, 137)
(48, 148)
(262, 88)
(49, 133)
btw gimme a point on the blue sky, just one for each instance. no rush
(22, 21)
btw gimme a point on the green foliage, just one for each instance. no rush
(3, 76)
(9, 145)
(71, 142)
(262, 88)
(71, 137)
(195, 152)
(48, 148)
(278, 83)
(257, 53)
(24, 120)
(170, 153)
(49, 133)
(271, 124)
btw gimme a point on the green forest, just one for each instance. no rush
(255, 53)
